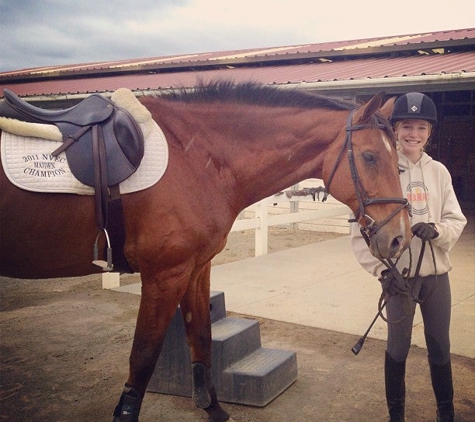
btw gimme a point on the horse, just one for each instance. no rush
(230, 145)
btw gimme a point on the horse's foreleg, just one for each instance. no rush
(158, 305)
(196, 314)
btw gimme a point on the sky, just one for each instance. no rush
(37, 33)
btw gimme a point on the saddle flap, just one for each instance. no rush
(124, 149)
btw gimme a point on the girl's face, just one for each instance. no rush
(413, 135)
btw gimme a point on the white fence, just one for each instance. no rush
(297, 207)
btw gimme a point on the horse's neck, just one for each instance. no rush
(272, 149)
(249, 152)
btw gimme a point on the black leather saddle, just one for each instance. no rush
(120, 135)
(104, 146)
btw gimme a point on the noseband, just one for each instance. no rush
(364, 200)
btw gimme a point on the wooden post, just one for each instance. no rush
(262, 229)
(110, 280)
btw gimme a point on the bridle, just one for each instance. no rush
(372, 227)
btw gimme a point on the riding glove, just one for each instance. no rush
(393, 285)
(425, 231)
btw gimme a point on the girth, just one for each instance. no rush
(104, 146)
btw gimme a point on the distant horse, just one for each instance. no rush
(229, 147)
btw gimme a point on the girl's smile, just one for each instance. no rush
(412, 135)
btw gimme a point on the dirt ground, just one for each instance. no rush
(65, 345)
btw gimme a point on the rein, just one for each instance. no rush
(363, 198)
(414, 291)
(403, 279)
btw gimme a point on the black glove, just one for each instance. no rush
(425, 231)
(393, 285)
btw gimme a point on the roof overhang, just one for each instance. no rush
(426, 83)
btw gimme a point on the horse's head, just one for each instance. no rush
(364, 175)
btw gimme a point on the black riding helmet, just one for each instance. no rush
(414, 105)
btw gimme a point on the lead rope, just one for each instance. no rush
(417, 285)
(416, 288)
(382, 302)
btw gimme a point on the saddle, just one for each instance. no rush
(103, 144)
(117, 130)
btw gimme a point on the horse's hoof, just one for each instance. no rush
(221, 418)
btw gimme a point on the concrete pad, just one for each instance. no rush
(322, 285)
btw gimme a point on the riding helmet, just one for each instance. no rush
(414, 105)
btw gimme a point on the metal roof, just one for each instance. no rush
(441, 57)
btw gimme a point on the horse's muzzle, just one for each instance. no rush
(383, 246)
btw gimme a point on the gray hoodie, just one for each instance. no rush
(428, 187)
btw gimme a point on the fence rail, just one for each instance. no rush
(263, 220)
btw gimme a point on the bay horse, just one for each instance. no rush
(230, 145)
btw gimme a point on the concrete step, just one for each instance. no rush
(234, 339)
(260, 377)
(243, 372)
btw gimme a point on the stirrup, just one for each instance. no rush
(106, 266)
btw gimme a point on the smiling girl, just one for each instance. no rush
(438, 220)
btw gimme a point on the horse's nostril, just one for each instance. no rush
(396, 243)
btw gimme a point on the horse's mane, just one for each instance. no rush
(255, 93)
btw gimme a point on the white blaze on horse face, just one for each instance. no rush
(386, 142)
(189, 317)
(402, 225)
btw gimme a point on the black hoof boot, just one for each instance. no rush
(129, 405)
(201, 379)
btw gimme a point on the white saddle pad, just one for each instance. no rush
(28, 164)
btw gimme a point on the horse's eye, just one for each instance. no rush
(369, 157)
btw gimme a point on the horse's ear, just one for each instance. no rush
(364, 113)
(387, 108)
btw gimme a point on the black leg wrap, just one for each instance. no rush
(201, 380)
(129, 405)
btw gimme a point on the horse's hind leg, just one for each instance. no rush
(158, 304)
(196, 314)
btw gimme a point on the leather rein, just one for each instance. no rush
(363, 198)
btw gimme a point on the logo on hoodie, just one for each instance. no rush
(417, 195)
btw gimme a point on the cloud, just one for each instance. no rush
(53, 32)
(61, 31)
